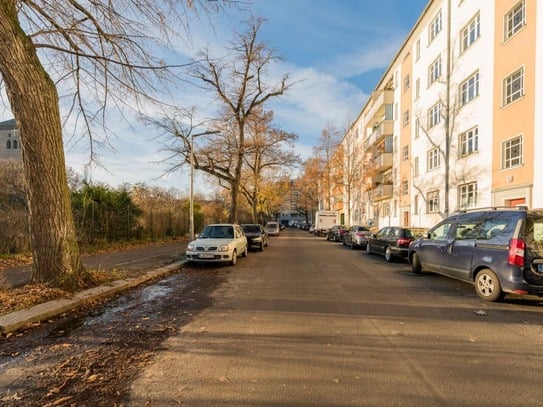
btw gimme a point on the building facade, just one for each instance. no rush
(10, 141)
(453, 122)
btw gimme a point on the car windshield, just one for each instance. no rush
(251, 228)
(217, 232)
(272, 225)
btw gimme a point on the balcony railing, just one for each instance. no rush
(382, 161)
(384, 128)
(382, 191)
(378, 100)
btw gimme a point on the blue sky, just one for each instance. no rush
(336, 49)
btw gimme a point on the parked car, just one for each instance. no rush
(218, 243)
(335, 233)
(356, 236)
(391, 242)
(272, 228)
(256, 235)
(497, 250)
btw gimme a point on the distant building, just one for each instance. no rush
(10, 141)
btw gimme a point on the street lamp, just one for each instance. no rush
(191, 192)
(191, 197)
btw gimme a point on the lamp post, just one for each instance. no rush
(191, 191)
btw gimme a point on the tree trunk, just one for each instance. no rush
(34, 101)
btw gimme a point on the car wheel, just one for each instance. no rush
(388, 255)
(416, 267)
(245, 252)
(368, 248)
(487, 285)
(234, 258)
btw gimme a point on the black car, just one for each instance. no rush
(257, 237)
(391, 241)
(498, 250)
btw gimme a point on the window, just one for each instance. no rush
(8, 144)
(434, 72)
(405, 187)
(416, 167)
(405, 153)
(513, 87)
(433, 159)
(469, 142)
(406, 82)
(417, 88)
(405, 118)
(432, 202)
(15, 144)
(434, 115)
(386, 209)
(435, 27)
(512, 152)
(469, 89)
(441, 232)
(417, 129)
(470, 33)
(417, 50)
(514, 20)
(467, 195)
(416, 205)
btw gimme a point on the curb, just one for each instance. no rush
(19, 319)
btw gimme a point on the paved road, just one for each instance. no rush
(134, 260)
(312, 323)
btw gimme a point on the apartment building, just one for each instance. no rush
(10, 141)
(453, 122)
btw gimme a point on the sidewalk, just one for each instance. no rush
(143, 264)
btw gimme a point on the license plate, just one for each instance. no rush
(206, 256)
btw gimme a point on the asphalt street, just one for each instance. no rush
(313, 323)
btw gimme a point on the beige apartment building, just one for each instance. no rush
(453, 123)
(10, 141)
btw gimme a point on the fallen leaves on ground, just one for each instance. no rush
(14, 299)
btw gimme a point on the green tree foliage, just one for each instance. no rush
(105, 214)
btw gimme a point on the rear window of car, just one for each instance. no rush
(534, 231)
(251, 228)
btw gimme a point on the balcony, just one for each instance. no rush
(379, 99)
(382, 161)
(383, 191)
(384, 128)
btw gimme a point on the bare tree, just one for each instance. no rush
(94, 48)
(268, 149)
(324, 151)
(350, 167)
(239, 84)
